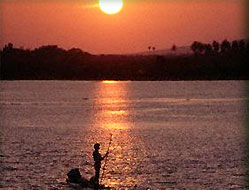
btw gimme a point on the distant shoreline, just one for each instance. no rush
(96, 80)
(226, 61)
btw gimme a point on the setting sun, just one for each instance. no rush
(111, 6)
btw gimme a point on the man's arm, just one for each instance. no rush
(105, 155)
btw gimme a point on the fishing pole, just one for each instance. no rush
(106, 158)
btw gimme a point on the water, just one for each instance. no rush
(166, 135)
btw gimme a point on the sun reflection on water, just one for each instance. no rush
(113, 110)
(116, 126)
(112, 116)
(109, 81)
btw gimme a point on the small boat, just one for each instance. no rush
(78, 186)
(75, 180)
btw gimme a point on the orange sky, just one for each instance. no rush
(141, 23)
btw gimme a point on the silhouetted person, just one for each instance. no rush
(97, 161)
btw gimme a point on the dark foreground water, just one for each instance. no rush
(166, 135)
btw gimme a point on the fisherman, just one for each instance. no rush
(97, 161)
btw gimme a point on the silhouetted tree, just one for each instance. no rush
(149, 48)
(197, 47)
(208, 49)
(173, 47)
(194, 47)
(247, 46)
(241, 45)
(8, 47)
(153, 48)
(225, 46)
(216, 46)
(235, 46)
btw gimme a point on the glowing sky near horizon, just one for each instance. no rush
(141, 23)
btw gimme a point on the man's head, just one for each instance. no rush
(96, 146)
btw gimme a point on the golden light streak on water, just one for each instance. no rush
(113, 110)
(109, 81)
(113, 117)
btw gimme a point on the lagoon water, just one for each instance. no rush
(166, 135)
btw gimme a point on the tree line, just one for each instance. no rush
(216, 47)
(216, 61)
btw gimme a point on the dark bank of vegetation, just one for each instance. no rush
(216, 61)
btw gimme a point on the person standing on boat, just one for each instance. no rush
(97, 161)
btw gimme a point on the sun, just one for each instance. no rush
(111, 6)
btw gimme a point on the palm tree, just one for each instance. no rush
(173, 47)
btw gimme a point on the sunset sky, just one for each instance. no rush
(141, 23)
